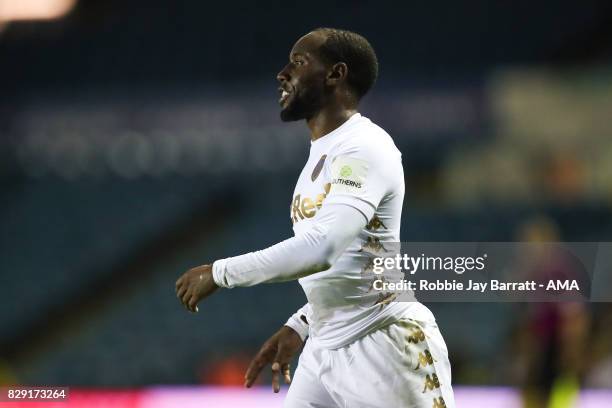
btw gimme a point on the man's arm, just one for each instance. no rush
(279, 350)
(333, 229)
(299, 321)
(361, 174)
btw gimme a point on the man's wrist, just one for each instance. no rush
(299, 327)
(218, 273)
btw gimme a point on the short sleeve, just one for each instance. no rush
(361, 177)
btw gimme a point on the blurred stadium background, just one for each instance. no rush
(141, 138)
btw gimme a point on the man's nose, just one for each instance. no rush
(282, 76)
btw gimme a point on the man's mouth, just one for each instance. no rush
(284, 96)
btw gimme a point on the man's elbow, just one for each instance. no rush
(321, 260)
(323, 256)
(312, 268)
(327, 255)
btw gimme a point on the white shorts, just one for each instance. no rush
(403, 365)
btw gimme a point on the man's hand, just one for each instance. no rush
(195, 285)
(278, 350)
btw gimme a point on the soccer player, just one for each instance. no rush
(362, 350)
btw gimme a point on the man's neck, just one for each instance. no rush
(327, 120)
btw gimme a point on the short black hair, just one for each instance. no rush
(356, 52)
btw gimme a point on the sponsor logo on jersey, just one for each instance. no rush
(306, 207)
(348, 175)
(349, 183)
(346, 171)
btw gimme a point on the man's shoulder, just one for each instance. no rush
(367, 139)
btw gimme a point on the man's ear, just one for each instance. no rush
(337, 74)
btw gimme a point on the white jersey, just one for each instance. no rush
(358, 165)
(346, 206)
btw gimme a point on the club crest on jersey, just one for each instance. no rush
(318, 168)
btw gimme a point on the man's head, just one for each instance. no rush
(326, 66)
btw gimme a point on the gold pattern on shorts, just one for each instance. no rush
(439, 403)
(431, 382)
(385, 298)
(380, 279)
(425, 359)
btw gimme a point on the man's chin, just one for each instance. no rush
(287, 115)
